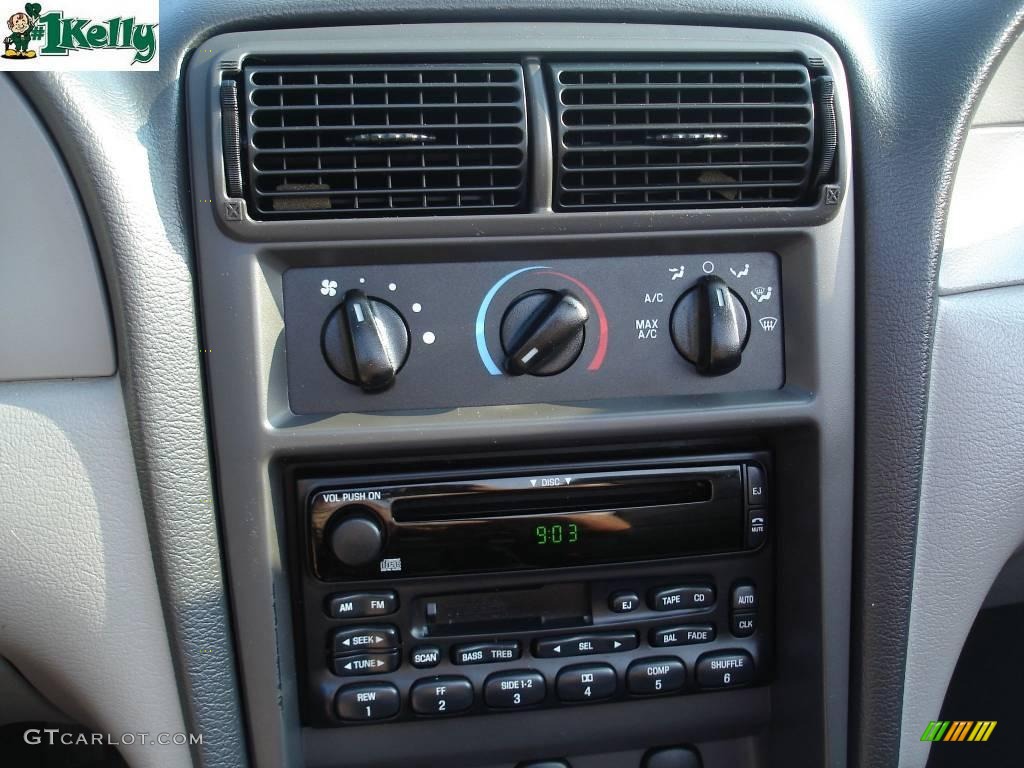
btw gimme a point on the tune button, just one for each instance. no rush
(366, 664)
(508, 690)
(586, 682)
(648, 677)
(441, 695)
(367, 701)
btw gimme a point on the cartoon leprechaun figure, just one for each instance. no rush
(20, 24)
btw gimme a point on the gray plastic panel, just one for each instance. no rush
(54, 319)
(241, 268)
(972, 491)
(82, 617)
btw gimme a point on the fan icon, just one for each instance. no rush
(328, 287)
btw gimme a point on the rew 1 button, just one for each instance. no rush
(368, 701)
(647, 677)
(441, 695)
(586, 682)
(506, 690)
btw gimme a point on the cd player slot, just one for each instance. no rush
(596, 496)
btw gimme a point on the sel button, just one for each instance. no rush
(724, 669)
(514, 689)
(585, 645)
(586, 682)
(441, 695)
(370, 701)
(651, 676)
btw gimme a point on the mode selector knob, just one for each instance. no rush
(543, 332)
(357, 538)
(365, 341)
(710, 326)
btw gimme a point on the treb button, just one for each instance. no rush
(486, 653)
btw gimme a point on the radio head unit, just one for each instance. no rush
(549, 520)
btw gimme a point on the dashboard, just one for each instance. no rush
(566, 386)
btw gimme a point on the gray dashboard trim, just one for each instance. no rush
(82, 619)
(972, 491)
(254, 429)
(54, 318)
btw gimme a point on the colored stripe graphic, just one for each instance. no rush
(959, 730)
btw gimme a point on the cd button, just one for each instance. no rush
(508, 690)
(369, 701)
(687, 634)
(652, 676)
(725, 669)
(441, 695)
(682, 598)
(366, 664)
(486, 653)
(365, 639)
(588, 682)
(585, 645)
(425, 656)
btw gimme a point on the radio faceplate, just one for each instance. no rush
(384, 645)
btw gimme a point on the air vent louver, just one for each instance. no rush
(350, 141)
(682, 135)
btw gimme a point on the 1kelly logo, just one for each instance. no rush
(60, 35)
(958, 730)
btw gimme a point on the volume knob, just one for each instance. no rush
(358, 538)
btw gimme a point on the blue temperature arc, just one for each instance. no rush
(481, 317)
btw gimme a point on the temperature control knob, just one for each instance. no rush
(710, 326)
(358, 538)
(365, 341)
(543, 332)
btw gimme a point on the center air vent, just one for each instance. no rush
(682, 135)
(345, 141)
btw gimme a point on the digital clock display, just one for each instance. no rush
(556, 533)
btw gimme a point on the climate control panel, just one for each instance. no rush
(402, 336)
